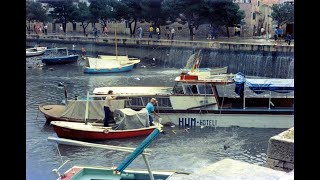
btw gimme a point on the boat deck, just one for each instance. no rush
(138, 90)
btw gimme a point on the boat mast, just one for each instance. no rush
(87, 109)
(115, 39)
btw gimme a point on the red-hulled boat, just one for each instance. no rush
(91, 131)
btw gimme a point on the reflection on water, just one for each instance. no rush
(178, 149)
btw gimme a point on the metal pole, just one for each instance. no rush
(244, 97)
(267, 28)
(148, 166)
(87, 109)
(269, 100)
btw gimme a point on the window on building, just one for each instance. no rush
(253, 16)
(258, 3)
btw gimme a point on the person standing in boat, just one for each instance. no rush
(150, 108)
(106, 106)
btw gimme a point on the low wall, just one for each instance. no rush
(250, 59)
(280, 153)
(168, 43)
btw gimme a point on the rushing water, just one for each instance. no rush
(177, 149)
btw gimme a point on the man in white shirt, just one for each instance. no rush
(106, 106)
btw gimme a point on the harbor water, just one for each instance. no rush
(178, 148)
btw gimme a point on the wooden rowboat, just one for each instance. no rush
(96, 131)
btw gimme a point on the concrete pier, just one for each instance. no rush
(280, 153)
(234, 170)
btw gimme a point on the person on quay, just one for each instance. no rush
(107, 105)
(150, 108)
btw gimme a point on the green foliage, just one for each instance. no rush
(102, 10)
(217, 12)
(82, 14)
(183, 12)
(35, 12)
(129, 10)
(152, 12)
(283, 13)
(222, 12)
(63, 11)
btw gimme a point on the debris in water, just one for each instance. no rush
(174, 132)
(51, 69)
(137, 79)
(225, 147)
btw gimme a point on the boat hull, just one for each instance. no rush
(229, 120)
(108, 70)
(80, 172)
(76, 132)
(30, 54)
(60, 60)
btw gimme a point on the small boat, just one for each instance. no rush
(96, 131)
(35, 51)
(78, 172)
(110, 64)
(123, 59)
(60, 59)
(97, 65)
(128, 123)
(120, 172)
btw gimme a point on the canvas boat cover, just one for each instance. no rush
(130, 119)
(277, 85)
(98, 63)
(260, 85)
(76, 109)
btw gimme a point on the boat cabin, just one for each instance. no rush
(192, 92)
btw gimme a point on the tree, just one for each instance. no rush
(186, 11)
(63, 12)
(129, 10)
(283, 13)
(222, 12)
(153, 13)
(82, 14)
(102, 10)
(35, 12)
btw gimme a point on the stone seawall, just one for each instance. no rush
(280, 153)
(250, 59)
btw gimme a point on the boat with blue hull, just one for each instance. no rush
(124, 68)
(59, 59)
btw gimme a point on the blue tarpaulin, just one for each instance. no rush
(276, 85)
(260, 85)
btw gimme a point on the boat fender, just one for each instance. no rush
(106, 131)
